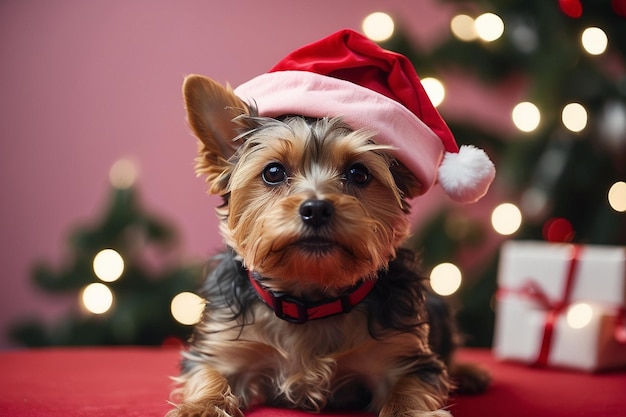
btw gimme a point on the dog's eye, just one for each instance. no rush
(274, 174)
(358, 174)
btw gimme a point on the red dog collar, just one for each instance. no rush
(297, 310)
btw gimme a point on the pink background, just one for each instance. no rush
(85, 83)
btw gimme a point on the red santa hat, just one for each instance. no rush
(350, 76)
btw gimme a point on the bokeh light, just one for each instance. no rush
(558, 230)
(463, 28)
(97, 298)
(489, 27)
(571, 8)
(445, 278)
(526, 116)
(378, 26)
(506, 219)
(619, 7)
(574, 117)
(123, 174)
(579, 315)
(434, 89)
(611, 124)
(108, 265)
(534, 202)
(594, 40)
(187, 308)
(617, 196)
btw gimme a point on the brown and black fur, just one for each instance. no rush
(391, 354)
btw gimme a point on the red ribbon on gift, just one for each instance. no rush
(557, 308)
(553, 308)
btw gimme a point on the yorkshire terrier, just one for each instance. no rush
(315, 305)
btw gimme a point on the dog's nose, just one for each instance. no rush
(316, 212)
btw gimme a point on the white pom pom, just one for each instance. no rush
(465, 176)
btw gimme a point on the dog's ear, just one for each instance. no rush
(211, 109)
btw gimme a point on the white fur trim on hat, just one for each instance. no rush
(465, 176)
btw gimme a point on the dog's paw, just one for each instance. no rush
(469, 378)
(194, 410)
(415, 413)
(438, 413)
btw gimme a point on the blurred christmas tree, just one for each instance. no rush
(562, 172)
(127, 285)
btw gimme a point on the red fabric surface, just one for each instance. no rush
(114, 382)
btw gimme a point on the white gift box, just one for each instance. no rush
(561, 305)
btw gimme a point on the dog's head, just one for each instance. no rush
(307, 202)
(313, 195)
